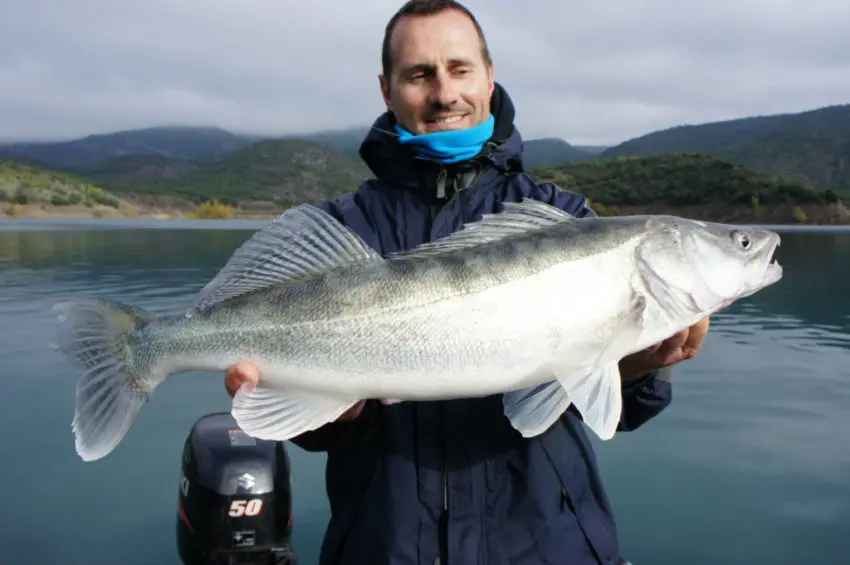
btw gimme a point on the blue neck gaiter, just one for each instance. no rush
(449, 146)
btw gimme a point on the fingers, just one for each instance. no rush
(696, 336)
(352, 413)
(240, 374)
(669, 349)
(684, 345)
(679, 347)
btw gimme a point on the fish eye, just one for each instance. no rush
(742, 239)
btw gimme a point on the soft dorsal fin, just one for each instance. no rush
(516, 217)
(303, 241)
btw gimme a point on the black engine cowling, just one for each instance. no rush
(235, 501)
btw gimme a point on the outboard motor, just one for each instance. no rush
(235, 502)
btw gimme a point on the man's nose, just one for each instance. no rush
(444, 92)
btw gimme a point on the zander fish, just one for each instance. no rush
(530, 303)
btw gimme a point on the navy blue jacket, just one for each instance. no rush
(412, 481)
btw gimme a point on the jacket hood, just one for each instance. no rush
(391, 161)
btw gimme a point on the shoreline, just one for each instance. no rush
(814, 215)
(103, 212)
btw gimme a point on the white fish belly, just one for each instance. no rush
(504, 338)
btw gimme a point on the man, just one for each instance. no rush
(452, 482)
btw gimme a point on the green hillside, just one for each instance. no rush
(818, 159)
(280, 171)
(140, 168)
(812, 147)
(677, 180)
(266, 176)
(697, 186)
(25, 184)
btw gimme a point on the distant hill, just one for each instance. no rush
(172, 149)
(812, 147)
(178, 142)
(552, 151)
(593, 149)
(806, 150)
(539, 151)
(282, 172)
(268, 176)
(346, 140)
(140, 168)
(693, 185)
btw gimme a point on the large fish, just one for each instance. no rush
(530, 302)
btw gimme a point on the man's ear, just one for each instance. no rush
(385, 91)
(492, 72)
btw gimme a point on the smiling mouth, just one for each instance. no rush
(445, 120)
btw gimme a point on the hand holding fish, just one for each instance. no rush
(680, 347)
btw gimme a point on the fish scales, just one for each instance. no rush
(431, 319)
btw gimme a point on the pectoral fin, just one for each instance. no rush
(595, 390)
(267, 413)
(598, 395)
(598, 398)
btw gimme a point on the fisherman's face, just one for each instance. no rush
(439, 80)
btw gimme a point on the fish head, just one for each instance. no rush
(703, 267)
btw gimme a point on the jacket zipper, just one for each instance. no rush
(443, 525)
(442, 180)
(443, 530)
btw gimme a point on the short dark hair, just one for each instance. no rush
(426, 8)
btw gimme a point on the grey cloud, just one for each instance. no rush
(608, 71)
(588, 72)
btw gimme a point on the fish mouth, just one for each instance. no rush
(769, 271)
(772, 269)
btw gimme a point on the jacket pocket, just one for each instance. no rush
(580, 493)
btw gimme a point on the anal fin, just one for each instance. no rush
(272, 414)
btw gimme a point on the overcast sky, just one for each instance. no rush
(589, 72)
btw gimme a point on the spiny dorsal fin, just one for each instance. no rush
(303, 241)
(516, 217)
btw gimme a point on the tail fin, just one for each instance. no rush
(113, 389)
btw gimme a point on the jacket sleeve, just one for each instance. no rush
(344, 208)
(643, 399)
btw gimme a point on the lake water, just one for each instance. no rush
(750, 464)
